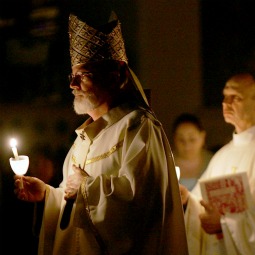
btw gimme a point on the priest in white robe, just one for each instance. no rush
(209, 232)
(119, 193)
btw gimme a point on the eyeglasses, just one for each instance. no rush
(80, 76)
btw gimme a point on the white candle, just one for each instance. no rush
(13, 144)
(178, 172)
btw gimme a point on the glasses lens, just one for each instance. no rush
(76, 78)
(85, 75)
(80, 77)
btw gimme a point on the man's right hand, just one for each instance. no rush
(33, 189)
(210, 219)
(74, 182)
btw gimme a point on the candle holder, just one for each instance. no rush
(19, 166)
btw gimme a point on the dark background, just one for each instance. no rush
(228, 43)
(34, 54)
(28, 27)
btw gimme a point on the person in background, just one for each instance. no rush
(46, 164)
(189, 149)
(119, 193)
(208, 231)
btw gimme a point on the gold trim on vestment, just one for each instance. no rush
(105, 155)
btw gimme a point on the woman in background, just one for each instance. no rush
(190, 153)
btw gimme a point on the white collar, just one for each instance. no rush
(244, 137)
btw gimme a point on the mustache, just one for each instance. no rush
(78, 93)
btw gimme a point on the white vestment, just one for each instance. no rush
(131, 198)
(238, 228)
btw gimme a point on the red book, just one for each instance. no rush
(229, 193)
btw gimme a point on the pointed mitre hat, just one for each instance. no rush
(88, 44)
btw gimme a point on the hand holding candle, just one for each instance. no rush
(19, 164)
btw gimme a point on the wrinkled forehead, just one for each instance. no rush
(240, 84)
(233, 86)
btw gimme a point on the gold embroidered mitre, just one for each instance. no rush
(89, 45)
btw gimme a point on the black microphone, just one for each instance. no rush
(66, 214)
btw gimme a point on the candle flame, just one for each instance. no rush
(13, 142)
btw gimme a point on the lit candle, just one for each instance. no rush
(178, 172)
(13, 144)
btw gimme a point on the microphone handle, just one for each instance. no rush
(66, 214)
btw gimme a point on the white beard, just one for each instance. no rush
(85, 102)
